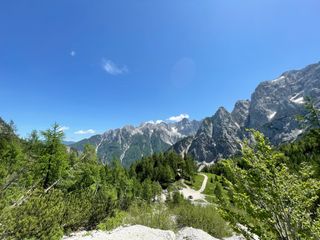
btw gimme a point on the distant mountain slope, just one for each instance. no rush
(131, 143)
(272, 110)
(67, 143)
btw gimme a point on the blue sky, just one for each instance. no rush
(96, 65)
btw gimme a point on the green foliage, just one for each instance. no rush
(39, 217)
(196, 182)
(116, 220)
(210, 184)
(150, 190)
(220, 194)
(206, 218)
(155, 216)
(46, 190)
(177, 198)
(304, 151)
(312, 118)
(278, 202)
(164, 168)
(53, 162)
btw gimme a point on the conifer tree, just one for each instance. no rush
(54, 160)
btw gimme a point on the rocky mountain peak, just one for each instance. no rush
(184, 121)
(240, 112)
(272, 109)
(221, 113)
(130, 143)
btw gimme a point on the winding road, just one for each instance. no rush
(193, 195)
(204, 183)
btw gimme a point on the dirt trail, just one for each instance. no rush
(204, 183)
(193, 195)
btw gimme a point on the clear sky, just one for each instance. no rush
(96, 65)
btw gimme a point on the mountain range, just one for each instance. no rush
(272, 109)
(131, 143)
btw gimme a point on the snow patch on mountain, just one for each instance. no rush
(271, 115)
(272, 110)
(278, 79)
(297, 100)
(123, 154)
(130, 143)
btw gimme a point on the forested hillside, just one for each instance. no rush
(46, 191)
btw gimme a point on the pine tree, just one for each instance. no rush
(54, 160)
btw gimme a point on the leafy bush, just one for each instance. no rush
(155, 216)
(206, 218)
(113, 222)
(37, 218)
(282, 201)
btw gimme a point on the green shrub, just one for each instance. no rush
(177, 198)
(197, 182)
(206, 218)
(155, 216)
(39, 217)
(113, 221)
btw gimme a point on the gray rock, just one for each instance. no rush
(218, 136)
(131, 143)
(193, 234)
(240, 113)
(272, 110)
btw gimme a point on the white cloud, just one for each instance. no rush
(63, 128)
(111, 68)
(72, 53)
(178, 118)
(83, 132)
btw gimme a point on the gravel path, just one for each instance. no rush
(138, 232)
(204, 183)
(193, 195)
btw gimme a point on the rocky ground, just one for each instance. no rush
(193, 195)
(138, 232)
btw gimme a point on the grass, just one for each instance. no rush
(171, 216)
(156, 215)
(196, 183)
(210, 199)
(210, 184)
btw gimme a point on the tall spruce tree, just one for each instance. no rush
(53, 162)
